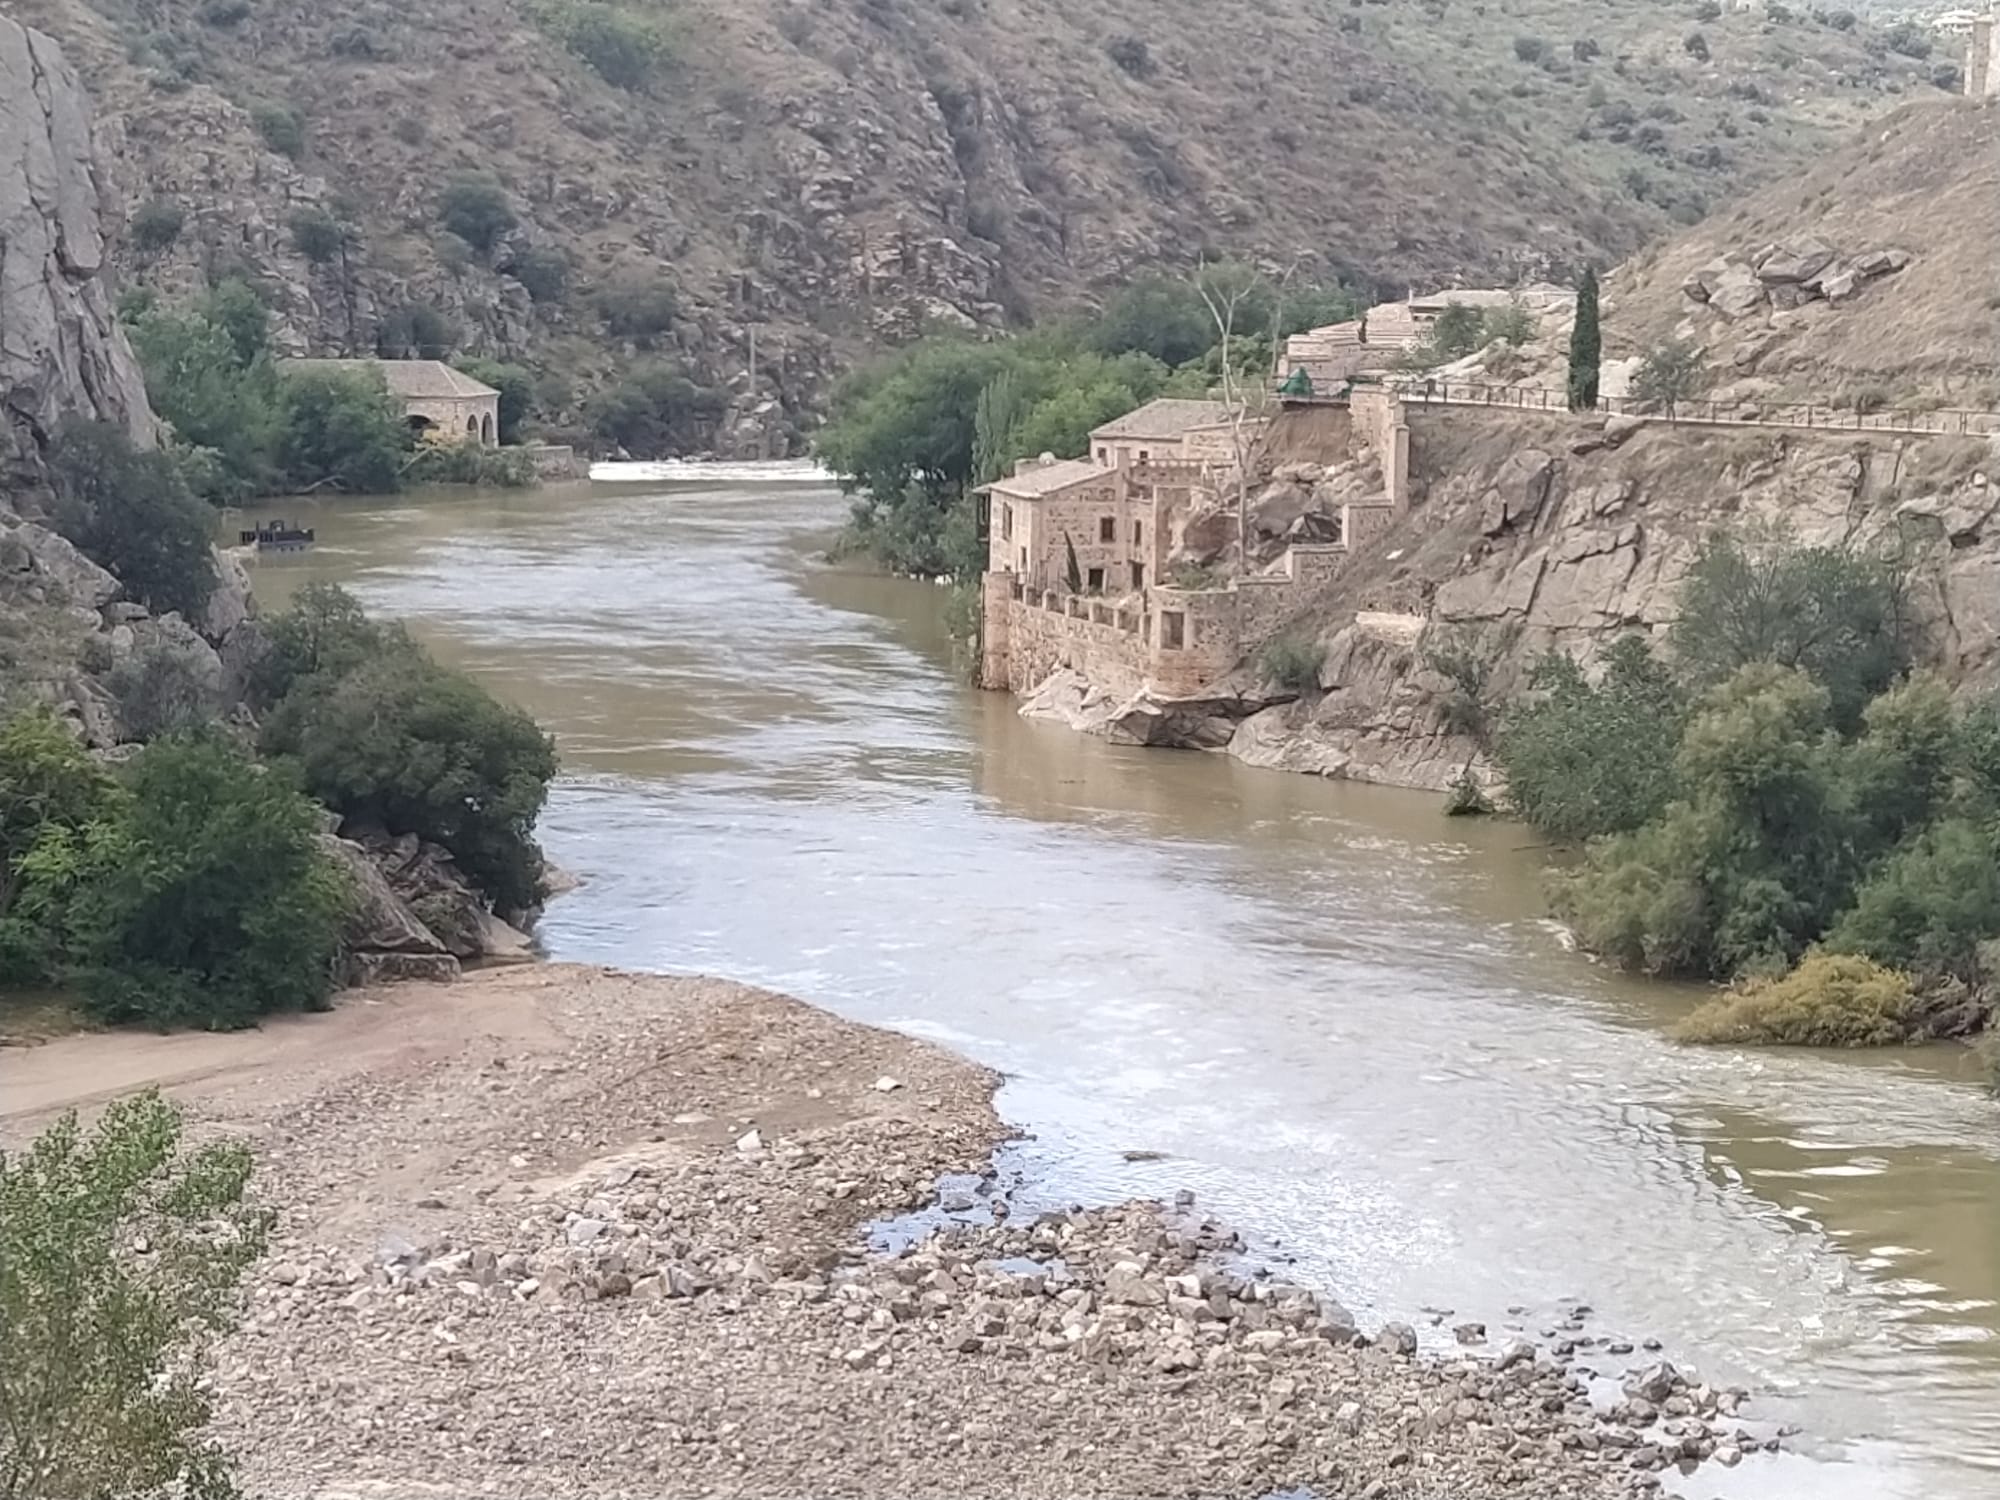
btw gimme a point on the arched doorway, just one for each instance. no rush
(472, 427)
(419, 426)
(486, 429)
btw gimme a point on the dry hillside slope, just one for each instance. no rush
(1927, 180)
(833, 173)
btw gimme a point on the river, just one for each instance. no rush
(1335, 1012)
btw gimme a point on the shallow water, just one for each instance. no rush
(1337, 1013)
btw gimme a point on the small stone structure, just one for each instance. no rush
(1376, 342)
(441, 404)
(1982, 65)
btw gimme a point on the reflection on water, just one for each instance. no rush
(1339, 1015)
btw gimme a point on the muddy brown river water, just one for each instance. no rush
(1335, 1013)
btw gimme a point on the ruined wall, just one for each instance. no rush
(1031, 637)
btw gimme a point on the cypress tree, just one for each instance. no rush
(1586, 346)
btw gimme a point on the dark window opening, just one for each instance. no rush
(1094, 580)
(1107, 528)
(1138, 575)
(1172, 623)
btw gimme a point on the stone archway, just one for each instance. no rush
(486, 429)
(472, 428)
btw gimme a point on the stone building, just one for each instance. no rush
(1982, 58)
(440, 404)
(1078, 550)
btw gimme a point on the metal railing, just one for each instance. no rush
(1945, 421)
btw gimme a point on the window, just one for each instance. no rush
(1024, 559)
(1006, 522)
(1138, 575)
(1172, 623)
(1103, 455)
(1107, 528)
(1144, 454)
(1138, 532)
(1094, 580)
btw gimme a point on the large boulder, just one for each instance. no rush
(1793, 263)
(230, 605)
(36, 558)
(384, 940)
(426, 878)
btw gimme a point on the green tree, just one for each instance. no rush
(283, 129)
(638, 307)
(543, 270)
(318, 235)
(516, 386)
(1930, 905)
(1586, 345)
(342, 430)
(1831, 612)
(51, 791)
(156, 224)
(208, 375)
(325, 634)
(404, 744)
(625, 47)
(1583, 760)
(993, 423)
(1158, 316)
(475, 207)
(120, 1253)
(234, 307)
(1669, 374)
(656, 409)
(129, 511)
(208, 901)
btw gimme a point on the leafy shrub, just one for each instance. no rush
(625, 47)
(1582, 760)
(1948, 76)
(638, 307)
(544, 272)
(208, 901)
(51, 790)
(1696, 46)
(1829, 1000)
(1930, 905)
(1910, 38)
(1530, 49)
(1464, 657)
(208, 375)
(472, 463)
(1512, 324)
(415, 331)
(223, 14)
(342, 431)
(167, 685)
(1831, 612)
(1584, 48)
(283, 128)
(105, 1380)
(317, 235)
(128, 511)
(1132, 55)
(1292, 663)
(358, 44)
(388, 738)
(655, 410)
(1669, 374)
(156, 225)
(475, 207)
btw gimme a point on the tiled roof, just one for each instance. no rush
(1048, 479)
(412, 379)
(1165, 419)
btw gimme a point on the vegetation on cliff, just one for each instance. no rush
(912, 434)
(120, 1252)
(388, 737)
(243, 426)
(1778, 786)
(188, 888)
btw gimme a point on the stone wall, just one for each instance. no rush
(1030, 634)
(458, 418)
(1382, 428)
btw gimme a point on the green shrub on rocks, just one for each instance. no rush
(389, 738)
(1292, 663)
(475, 207)
(1829, 1000)
(156, 225)
(207, 901)
(51, 791)
(129, 511)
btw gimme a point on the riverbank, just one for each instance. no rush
(557, 1230)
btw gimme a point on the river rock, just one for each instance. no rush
(1398, 1338)
(1654, 1383)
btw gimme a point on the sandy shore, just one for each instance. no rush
(564, 1231)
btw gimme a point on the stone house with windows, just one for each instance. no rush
(440, 404)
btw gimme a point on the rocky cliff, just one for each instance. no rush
(1528, 533)
(831, 175)
(60, 350)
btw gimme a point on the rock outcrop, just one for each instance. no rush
(62, 354)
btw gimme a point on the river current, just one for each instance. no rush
(1336, 1014)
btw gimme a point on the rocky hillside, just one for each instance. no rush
(1528, 532)
(831, 174)
(1924, 182)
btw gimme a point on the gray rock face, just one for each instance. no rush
(63, 355)
(382, 921)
